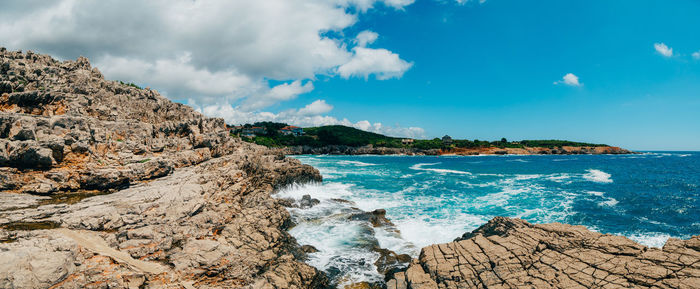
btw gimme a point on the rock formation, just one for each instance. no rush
(511, 253)
(104, 185)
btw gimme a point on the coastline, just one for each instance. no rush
(108, 184)
(371, 150)
(367, 168)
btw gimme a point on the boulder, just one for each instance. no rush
(307, 202)
(27, 154)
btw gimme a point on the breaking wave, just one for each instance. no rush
(433, 202)
(420, 167)
(598, 176)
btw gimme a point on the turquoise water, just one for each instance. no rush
(648, 197)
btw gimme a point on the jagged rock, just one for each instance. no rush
(22, 129)
(511, 253)
(307, 202)
(309, 249)
(140, 192)
(377, 218)
(28, 154)
(389, 260)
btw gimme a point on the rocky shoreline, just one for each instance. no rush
(511, 253)
(370, 150)
(103, 185)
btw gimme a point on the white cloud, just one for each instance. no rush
(569, 79)
(366, 37)
(211, 51)
(364, 5)
(317, 107)
(465, 1)
(382, 63)
(310, 115)
(279, 93)
(664, 50)
(696, 55)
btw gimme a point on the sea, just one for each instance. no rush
(647, 197)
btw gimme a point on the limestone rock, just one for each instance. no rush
(136, 191)
(511, 253)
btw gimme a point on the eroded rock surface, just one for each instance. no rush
(104, 185)
(511, 253)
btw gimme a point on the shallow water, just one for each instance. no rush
(648, 197)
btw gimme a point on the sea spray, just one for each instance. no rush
(435, 200)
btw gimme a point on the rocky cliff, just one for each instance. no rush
(104, 185)
(511, 253)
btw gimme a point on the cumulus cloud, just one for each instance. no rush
(366, 37)
(310, 115)
(569, 79)
(380, 62)
(317, 107)
(279, 93)
(664, 50)
(211, 51)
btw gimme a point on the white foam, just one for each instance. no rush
(420, 167)
(599, 194)
(325, 191)
(423, 231)
(518, 160)
(395, 242)
(356, 163)
(597, 176)
(559, 178)
(656, 240)
(337, 244)
(527, 177)
(609, 202)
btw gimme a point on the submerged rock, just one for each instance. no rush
(511, 253)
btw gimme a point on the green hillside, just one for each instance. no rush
(343, 135)
(349, 136)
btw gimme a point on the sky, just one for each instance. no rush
(625, 73)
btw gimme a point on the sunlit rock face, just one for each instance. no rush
(511, 253)
(103, 184)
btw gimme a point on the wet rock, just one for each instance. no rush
(511, 253)
(365, 285)
(309, 249)
(389, 260)
(307, 202)
(377, 218)
(287, 202)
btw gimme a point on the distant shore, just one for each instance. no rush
(371, 150)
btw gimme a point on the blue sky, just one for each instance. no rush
(624, 73)
(486, 71)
